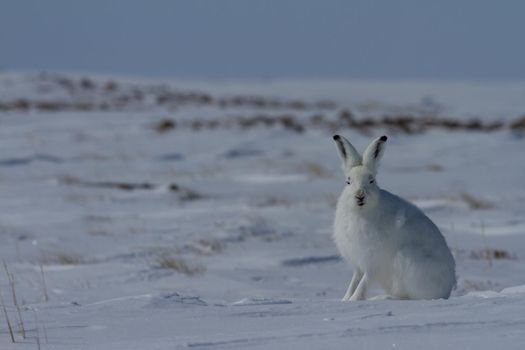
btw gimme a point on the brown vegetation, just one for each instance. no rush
(492, 254)
(86, 94)
(475, 202)
(178, 264)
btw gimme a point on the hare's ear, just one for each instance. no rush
(373, 154)
(347, 152)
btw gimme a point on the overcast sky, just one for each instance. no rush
(244, 39)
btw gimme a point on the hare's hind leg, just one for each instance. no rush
(356, 278)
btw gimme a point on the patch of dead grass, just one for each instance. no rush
(165, 125)
(475, 203)
(315, 170)
(476, 285)
(62, 258)
(205, 247)
(434, 167)
(492, 254)
(167, 261)
(272, 201)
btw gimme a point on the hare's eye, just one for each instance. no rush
(348, 181)
(372, 181)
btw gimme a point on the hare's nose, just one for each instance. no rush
(360, 194)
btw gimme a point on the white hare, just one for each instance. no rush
(387, 239)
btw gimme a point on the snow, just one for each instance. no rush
(240, 254)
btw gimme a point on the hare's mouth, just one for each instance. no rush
(360, 201)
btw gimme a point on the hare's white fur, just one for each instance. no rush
(387, 239)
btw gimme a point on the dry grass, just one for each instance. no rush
(6, 315)
(165, 125)
(120, 96)
(62, 258)
(475, 202)
(98, 218)
(11, 279)
(205, 247)
(44, 283)
(315, 170)
(98, 232)
(402, 123)
(188, 194)
(473, 285)
(178, 264)
(434, 167)
(125, 186)
(272, 201)
(185, 194)
(492, 254)
(67, 259)
(518, 124)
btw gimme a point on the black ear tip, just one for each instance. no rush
(336, 137)
(383, 138)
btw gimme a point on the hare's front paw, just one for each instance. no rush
(360, 291)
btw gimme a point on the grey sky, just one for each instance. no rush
(408, 39)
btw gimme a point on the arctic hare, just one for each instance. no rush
(387, 239)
